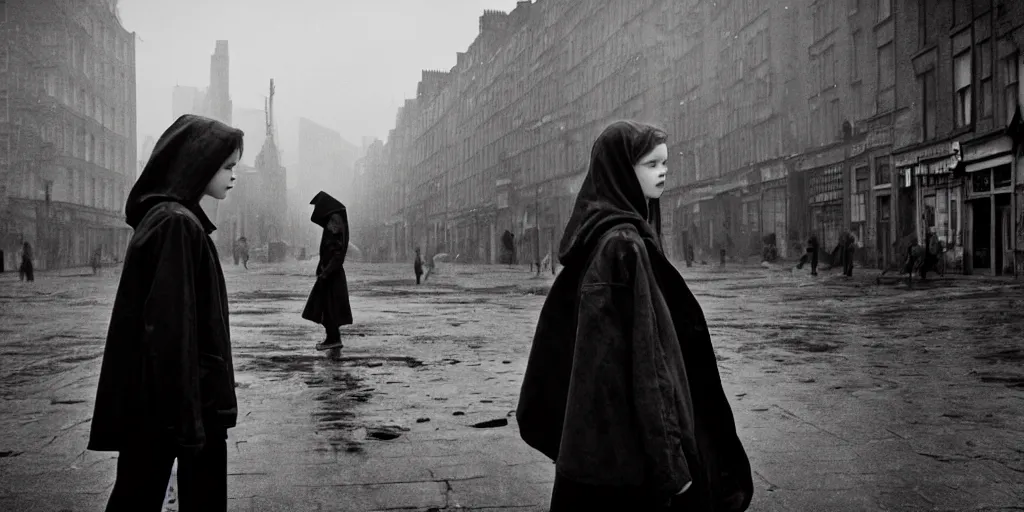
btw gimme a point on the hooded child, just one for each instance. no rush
(328, 303)
(622, 389)
(167, 387)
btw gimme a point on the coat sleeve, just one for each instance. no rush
(171, 334)
(336, 260)
(621, 427)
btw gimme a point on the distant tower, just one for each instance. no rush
(218, 96)
(273, 196)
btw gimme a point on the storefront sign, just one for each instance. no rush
(940, 166)
(988, 150)
(938, 151)
(822, 159)
(875, 138)
(773, 172)
(732, 185)
(698, 194)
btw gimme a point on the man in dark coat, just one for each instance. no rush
(328, 303)
(26, 272)
(167, 387)
(417, 266)
(622, 388)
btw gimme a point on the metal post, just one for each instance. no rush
(536, 228)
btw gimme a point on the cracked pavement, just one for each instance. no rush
(848, 395)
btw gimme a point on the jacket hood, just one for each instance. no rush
(611, 193)
(184, 160)
(325, 205)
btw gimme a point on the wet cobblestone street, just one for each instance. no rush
(848, 395)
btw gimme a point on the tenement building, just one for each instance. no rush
(885, 119)
(67, 130)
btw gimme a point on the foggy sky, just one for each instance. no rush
(345, 64)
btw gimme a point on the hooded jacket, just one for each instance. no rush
(328, 302)
(167, 373)
(622, 388)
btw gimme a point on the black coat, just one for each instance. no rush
(328, 302)
(622, 389)
(167, 374)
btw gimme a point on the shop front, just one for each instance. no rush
(773, 206)
(825, 205)
(930, 198)
(689, 225)
(989, 227)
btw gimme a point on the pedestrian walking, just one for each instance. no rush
(243, 252)
(622, 389)
(167, 387)
(26, 272)
(932, 250)
(811, 255)
(849, 250)
(417, 266)
(328, 302)
(96, 260)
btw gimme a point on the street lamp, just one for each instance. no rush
(536, 228)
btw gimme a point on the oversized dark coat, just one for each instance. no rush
(167, 374)
(622, 389)
(328, 302)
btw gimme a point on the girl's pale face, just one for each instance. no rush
(651, 171)
(224, 180)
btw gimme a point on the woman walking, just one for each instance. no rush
(622, 389)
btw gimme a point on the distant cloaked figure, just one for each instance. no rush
(328, 303)
(26, 271)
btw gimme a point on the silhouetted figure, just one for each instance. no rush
(26, 271)
(811, 255)
(417, 266)
(328, 303)
(167, 387)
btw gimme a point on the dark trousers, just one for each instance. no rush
(143, 474)
(847, 254)
(812, 257)
(26, 273)
(418, 275)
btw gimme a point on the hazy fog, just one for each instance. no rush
(346, 64)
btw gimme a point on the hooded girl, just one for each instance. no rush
(328, 303)
(167, 387)
(622, 389)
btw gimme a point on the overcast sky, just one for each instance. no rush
(346, 64)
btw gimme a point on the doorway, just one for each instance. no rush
(883, 236)
(981, 231)
(1003, 232)
(905, 220)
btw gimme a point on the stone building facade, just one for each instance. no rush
(67, 130)
(791, 118)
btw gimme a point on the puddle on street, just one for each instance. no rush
(339, 389)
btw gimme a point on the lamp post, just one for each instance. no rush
(536, 228)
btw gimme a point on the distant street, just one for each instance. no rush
(849, 396)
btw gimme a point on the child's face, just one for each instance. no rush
(335, 225)
(224, 180)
